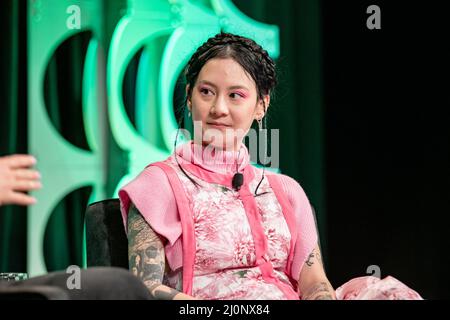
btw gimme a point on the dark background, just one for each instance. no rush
(386, 138)
(387, 142)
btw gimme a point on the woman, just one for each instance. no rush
(205, 224)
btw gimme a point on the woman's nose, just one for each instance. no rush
(220, 107)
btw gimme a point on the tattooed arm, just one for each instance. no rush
(313, 283)
(147, 259)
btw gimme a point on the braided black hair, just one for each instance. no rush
(251, 56)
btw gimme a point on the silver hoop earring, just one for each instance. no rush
(259, 124)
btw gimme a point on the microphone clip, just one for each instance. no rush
(238, 181)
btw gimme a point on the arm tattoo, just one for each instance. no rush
(319, 291)
(162, 293)
(314, 254)
(309, 262)
(146, 256)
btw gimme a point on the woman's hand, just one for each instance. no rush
(16, 178)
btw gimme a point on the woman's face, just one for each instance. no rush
(224, 102)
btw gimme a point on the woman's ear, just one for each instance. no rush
(188, 98)
(263, 105)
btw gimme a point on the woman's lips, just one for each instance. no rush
(219, 126)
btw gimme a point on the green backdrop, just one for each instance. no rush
(75, 99)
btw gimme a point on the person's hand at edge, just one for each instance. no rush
(16, 178)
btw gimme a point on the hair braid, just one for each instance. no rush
(250, 55)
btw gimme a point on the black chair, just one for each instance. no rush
(106, 239)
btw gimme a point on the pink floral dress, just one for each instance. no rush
(225, 250)
(228, 244)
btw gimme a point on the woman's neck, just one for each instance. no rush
(214, 159)
(225, 148)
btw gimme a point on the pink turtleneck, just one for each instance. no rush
(213, 159)
(152, 195)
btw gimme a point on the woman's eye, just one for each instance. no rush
(205, 91)
(235, 95)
